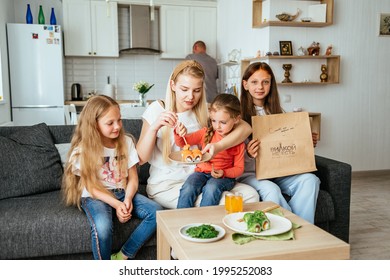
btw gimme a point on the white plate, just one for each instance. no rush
(176, 157)
(278, 224)
(183, 233)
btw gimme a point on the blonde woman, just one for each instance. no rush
(101, 175)
(185, 102)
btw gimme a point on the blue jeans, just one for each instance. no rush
(211, 189)
(100, 217)
(302, 188)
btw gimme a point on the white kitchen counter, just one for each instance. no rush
(131, 111)
(129, 108)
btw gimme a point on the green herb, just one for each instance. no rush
(202, 231)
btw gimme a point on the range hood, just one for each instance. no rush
(139, 29)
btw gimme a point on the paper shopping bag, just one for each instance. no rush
(286, 145)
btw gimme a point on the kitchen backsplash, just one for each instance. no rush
(124, 71)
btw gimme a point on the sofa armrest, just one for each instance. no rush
(335, 178)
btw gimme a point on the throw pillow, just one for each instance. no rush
(63, 150)
(29, 162)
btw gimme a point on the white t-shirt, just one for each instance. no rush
(161, 171)
(109, 176)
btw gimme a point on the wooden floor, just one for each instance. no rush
(370, 216)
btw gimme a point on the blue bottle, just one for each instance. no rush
(29, 17)
(53, 20)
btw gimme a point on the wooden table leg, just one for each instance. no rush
(163, 247)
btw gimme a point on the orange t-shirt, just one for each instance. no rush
(231, 160)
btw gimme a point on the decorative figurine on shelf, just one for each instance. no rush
(329, 50)
(258, 54)
(324, 73)
(288, 17)
(287, 68)
(301, 51)
(314, 49)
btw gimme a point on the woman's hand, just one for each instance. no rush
(252, 148)
(212, 149)
(314, 136)
(166, 118)
(180, 129)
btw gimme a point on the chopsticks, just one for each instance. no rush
(185, 141)
(270, 208)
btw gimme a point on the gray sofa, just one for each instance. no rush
(35, 224)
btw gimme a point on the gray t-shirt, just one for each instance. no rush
(210, 68)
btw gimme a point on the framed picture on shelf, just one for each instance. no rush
(285, 48)
(384, 25)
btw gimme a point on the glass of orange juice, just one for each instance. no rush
(228, 202)
(237, 203)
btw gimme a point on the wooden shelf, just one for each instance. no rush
(332, 62)
(315, 123)
(257, 15)
(228, 63)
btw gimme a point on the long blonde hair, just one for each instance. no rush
(87, 139)
(194, 69)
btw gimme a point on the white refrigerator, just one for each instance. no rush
(36, 73)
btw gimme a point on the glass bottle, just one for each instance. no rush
(41, 16)
(53, 20)
(29, 17)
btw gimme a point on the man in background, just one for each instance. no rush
(210, 68)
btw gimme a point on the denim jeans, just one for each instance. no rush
(302, 188)
(211, 189)
(100, 217)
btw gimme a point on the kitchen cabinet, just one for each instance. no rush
(332, 62)
(90, 28)
(259, 21)
(181, 26)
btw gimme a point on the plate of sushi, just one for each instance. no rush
(257, 223)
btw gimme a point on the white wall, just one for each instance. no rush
(355, 113)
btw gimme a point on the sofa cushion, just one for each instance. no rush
(29, 162)
(41, 225)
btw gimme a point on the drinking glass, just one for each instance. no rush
(237, 203)
(228, 202)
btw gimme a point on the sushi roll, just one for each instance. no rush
(257, 221)
(186, 155)
(197, 155)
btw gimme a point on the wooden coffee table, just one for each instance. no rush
(311, 242)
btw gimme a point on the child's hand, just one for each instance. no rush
(123, 213)
(252, 148)
(216, 173)
(180, 129)
(129, 204)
